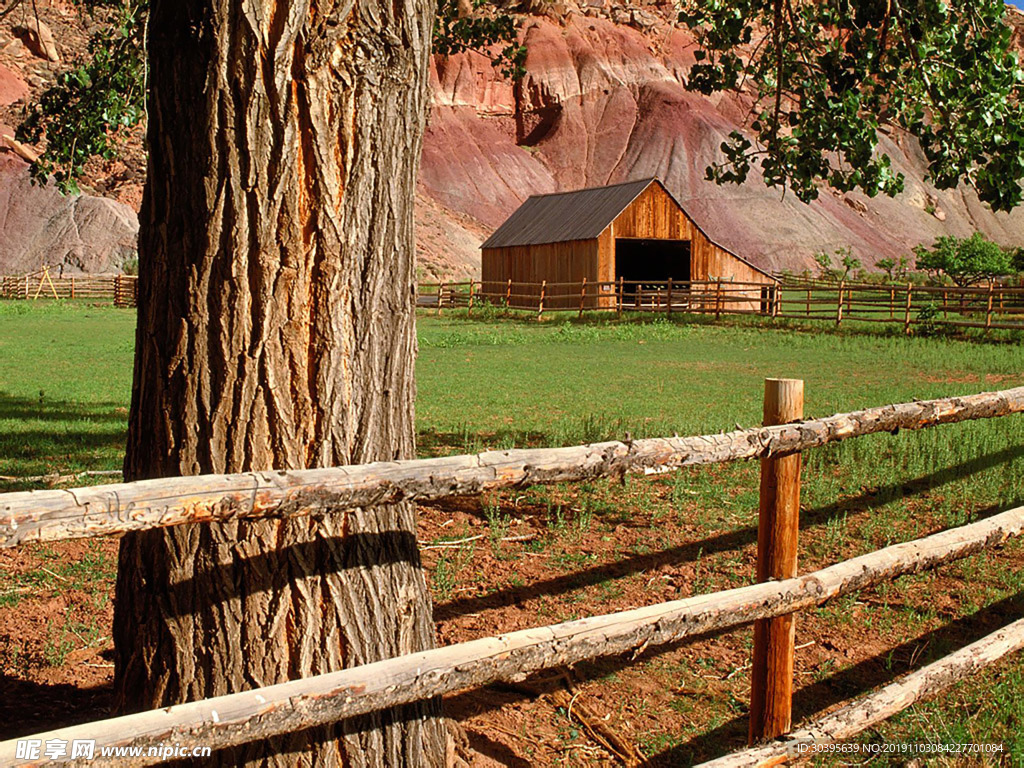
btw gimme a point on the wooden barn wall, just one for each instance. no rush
(567, 262)
(655, 215)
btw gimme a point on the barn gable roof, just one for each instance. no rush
(582, 214)
(562, 216)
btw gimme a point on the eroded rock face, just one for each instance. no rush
(604, 102)
(12, 86)
(75, 234)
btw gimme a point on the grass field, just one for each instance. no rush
(65, 375)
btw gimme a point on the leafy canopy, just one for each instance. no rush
(965, 260)
(895, 270)
(826, 77)
(84, 114)
(479, 31)
(846, 260)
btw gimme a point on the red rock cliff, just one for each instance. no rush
(604, 102)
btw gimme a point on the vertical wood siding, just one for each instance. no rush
(653, 215)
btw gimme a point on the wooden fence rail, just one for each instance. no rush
(907, 305)
(50, 515)
(120, 290)
(989, 307)
(300, 704)
(859, 715)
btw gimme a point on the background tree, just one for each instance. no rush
(276, 329)
(846, 260)
(1017, 256)
(87, 112)
(90, 109)
(965, 261)
(897, 270)
(827, 77)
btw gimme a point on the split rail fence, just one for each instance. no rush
(716, 297)
(237, 718)
(120, 290)
(906, 305)
(989, 306)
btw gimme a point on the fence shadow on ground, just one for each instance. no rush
(29, 707)
(871, 499)
(852, 681)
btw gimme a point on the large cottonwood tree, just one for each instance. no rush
(276, 329)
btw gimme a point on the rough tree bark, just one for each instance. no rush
(276, 329)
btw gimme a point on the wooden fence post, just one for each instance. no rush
(988, 313)
(839, 304)
(508, 294)
(892, 303)
(72, 286)
(469, 306)
(906, 314)
(718, 299)
(440, 297)
(808, 301)
(771, 682)
(668, 299)
(543, 293)
(583, 296)
(618, 303)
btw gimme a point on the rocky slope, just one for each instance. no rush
(603, 101)
(38, 225)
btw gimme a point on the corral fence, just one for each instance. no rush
(120, 290)
(715, 297)
(910, 306)
(907, 305)
(987, 306)
(771, 604)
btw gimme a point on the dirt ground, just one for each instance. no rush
(537, 557)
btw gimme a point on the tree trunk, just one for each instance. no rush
(276, 329)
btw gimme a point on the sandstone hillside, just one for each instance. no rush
(603, 101)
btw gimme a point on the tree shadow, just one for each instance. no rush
(69, 434)
(724, 542)
(29, 707)
(47, 409)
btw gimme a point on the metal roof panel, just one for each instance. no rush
(562, 216)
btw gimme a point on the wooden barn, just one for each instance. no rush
(635, 231)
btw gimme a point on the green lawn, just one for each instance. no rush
(65, 376)
(65, 380)
(65, 385)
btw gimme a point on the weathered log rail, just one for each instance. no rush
(258, 714)
(102, 510)
(300, 704)
(859, 715)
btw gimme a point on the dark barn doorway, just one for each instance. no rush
(652, 261)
